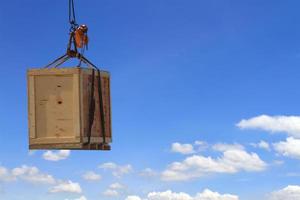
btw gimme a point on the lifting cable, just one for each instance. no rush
(73, 53)
(72, 16)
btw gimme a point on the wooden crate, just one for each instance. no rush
(58, 108)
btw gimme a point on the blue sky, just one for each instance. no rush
(181, 72)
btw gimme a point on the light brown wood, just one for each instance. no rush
(58, 108)
(31, 107)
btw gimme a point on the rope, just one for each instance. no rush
(91, 109)
(101, 107)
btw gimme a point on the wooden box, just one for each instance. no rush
(59, 109)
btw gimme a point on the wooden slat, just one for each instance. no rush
(76, 105)
(71, 146)
(53, 71)
(31, 107)
(98, 139)
(53, 140)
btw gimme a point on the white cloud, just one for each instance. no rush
(273, 124)
(56, 155)
(132, 197)
(111, 193)
(114, 190)
(91, 176)
(5, 175)
(199, 142)
(201, 145)
(182, 148)
(291, 192)
(225, 147)
(169, 195)
(69, 187)
(80, 198)
(232, 161)
(289, 148)
(148, 172)
(116, 186)
(210, 195)
(32, 175)
(117, 170)
(262, 144)
(108, 165)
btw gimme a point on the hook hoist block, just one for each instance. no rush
(81, 38)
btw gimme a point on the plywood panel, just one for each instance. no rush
(54, 106)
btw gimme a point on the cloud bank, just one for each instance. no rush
(291, 192)
(169, 195)
(273, 124)
(233, 160)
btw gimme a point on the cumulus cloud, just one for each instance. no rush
(80, 198)
(148, 172)
(232, 160)
(91, 176)
(225, 147)
(117, 170)
(210, 195)
(111, 193)
(26, 173)
(32, 175)
(289, 148)
(114, 190)
(201, 145)
(262, 144)
(68, 187)
(169, 195)
(182, 148)
(56, 155)
(291, 192)
(132, 197)
(116, 186)
(273, 124)
(5, 175)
